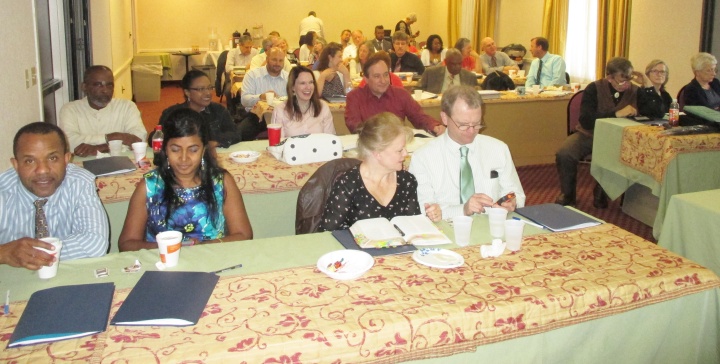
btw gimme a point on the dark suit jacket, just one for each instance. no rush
(433, 78)
(695, 95)
(408, 63)
(384, 45)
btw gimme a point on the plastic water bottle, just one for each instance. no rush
(674, 114)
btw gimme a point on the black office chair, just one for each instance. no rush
(220, 77)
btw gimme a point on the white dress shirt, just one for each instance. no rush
(350, 51)
(235, 58)
(312, 23)
(259, 81)
(83, 124)
(436, 167)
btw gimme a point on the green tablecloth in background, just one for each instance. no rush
(688, 172)
(692, 227)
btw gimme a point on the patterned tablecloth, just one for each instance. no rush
(399, 310)
(266, 175)
(645, 149)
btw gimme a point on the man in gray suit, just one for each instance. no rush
(437, 79)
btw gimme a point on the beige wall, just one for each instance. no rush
(178, 24)
(20, 105)
(653, 34)
(674, 39)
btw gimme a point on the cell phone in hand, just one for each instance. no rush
(505, 198)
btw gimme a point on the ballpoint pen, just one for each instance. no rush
(529, 222)
(228, 268)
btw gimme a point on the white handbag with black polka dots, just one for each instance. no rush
(308, 148)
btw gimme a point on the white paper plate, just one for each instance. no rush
(354, 264)
(438, 258)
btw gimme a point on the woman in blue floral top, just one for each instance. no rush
(204, 203)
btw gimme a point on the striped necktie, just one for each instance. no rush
(467, 187)
(41, 228)
(493, 62)
(398, 66)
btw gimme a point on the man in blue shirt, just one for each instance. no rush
(546, 69)
(42, 183)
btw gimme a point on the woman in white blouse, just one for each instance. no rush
(434, 53)
(306, 48)
(303, 112)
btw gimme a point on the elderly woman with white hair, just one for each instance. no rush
(653, 100)
(704, 89)
(404, 25)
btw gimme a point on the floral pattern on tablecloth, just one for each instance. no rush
(401, 310)
(645, 149)
(266, 175)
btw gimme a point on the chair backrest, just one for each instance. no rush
(296, 53)
(220, 73)
(312, 196)
(567, 78)
(573, 112)
(681, 98)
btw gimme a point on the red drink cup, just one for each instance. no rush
(274, 134)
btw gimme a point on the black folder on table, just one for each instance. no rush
(346, 239)
(557, 217)
(166, 299)
(64, 312)
(109, 165)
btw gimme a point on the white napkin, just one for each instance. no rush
(494, 250)
(100, 154)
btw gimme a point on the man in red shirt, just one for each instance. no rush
(379, 96)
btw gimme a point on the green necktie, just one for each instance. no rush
(467, 187)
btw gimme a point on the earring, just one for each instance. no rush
(202, 164)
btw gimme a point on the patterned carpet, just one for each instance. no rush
(540, 182)
(541, 185)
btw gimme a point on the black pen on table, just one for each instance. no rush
(228, 268)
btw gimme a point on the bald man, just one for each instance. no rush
(493, 60)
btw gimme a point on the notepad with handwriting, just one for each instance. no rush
(557, 217)
(166, 299)
(64, 312)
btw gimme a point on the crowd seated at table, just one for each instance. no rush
(378, 100)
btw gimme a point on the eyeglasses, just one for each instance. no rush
(202, 89)
(658, 72)
(465, 127)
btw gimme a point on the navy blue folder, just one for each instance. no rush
(166, 299)
(64, 312)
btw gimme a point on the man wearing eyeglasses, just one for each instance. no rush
(462, 172)
(96, 119)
